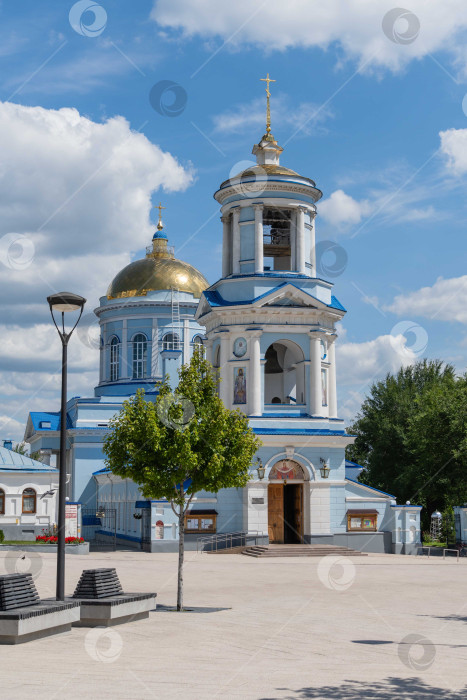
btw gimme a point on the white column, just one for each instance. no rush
(315, 376)
(293, 241)
(301, 240)
(125, 368)
(208, 350)
(102, 355)
(105, 376)
(225, 245)
(259, 256)
(186, 342)
(236, 241)
(224, 369)
(332, 385)
(313, 246)
(154, 349)
(255, 402)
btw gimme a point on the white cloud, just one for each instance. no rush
(446, 300)
(81, 192)
(364, 363)
(359, 365)
(342, 210)
(355, 25)
(454, 147)
(76, 194)
(252, 115)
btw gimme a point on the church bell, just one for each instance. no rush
(272, 365)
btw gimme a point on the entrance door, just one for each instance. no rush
(293, 513)
(276, 513)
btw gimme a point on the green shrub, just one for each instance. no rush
(2, 536)
(448, 527)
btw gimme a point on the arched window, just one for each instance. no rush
(140, 349)
(284, 374)
(197, 343)
(29, 501)
(171, 341)
(2, 502)
(114, 359)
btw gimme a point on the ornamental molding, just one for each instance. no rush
(272, 320)
(258, 188)
(143, 304)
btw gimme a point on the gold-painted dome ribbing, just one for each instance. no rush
(159, 270)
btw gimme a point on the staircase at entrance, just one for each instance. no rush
(301, 550)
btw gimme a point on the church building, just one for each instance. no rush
(269, 326)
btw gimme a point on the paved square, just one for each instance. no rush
(276, 628)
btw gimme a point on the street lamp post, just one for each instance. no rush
(61, 303)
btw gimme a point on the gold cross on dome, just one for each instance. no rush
(268, 80)
(160, 207)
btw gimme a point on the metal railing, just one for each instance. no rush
(445, 549)
(451, 550)
(229, 540)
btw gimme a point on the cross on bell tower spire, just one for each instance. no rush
(268, 80)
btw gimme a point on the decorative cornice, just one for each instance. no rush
(262, 186)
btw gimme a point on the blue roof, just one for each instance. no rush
(348, 463)
(105, 470)
(159, 234)
(359, 483)
(215, 299)
(41, 419)
(13, 461)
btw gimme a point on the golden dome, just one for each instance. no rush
(159, 270)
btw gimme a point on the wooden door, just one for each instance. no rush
(276, 513)
(298, 511)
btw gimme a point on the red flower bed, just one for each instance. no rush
(53, 539)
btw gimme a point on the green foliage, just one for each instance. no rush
(2, 536)
(448, 525)
(412, 436)
(185, 434)
(21, 449)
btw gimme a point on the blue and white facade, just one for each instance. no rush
(269, 326)
(147, 331)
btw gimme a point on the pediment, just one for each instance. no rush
(290, 296)
(288, 301)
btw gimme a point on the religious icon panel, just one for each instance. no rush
(239, 390)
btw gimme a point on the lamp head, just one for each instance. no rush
(65, 301)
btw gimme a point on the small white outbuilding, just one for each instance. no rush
(28, 495)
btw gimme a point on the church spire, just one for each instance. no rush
(160, 225)
(159, 235)
(268, 80)
(267, 151)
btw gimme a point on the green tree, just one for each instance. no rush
(412, 436)
(185, 442)
(21, 449)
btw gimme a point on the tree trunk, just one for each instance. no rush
(181, 555)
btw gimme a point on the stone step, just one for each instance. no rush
(297, 550)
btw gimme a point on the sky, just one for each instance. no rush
(107, 109)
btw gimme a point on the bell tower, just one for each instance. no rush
(269, 319)
(270, 330)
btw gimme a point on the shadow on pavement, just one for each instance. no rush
(388, 689)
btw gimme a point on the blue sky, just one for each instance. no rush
(375, 116)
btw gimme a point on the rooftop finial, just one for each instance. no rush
(160, 225)
(268, 80)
